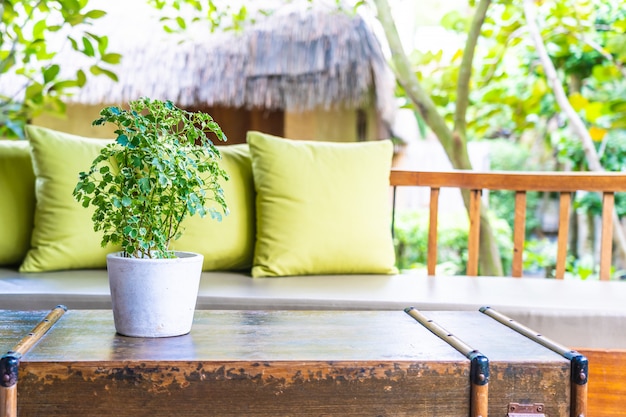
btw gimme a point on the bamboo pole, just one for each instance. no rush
(9, 362)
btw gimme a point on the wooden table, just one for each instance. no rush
(281, 363)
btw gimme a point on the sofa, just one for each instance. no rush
(261, 256)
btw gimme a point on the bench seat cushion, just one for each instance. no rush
(574, 313)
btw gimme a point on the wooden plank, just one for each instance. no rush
(606, 242)
(519, 234)
(39, 330)
(517, 364)
(607, 373)
(479, 368)
(247, 363)
(8, 401)
(579, 366)
(433, 223)
(565, 202)
(9, 363)
(473, 243)
(510, 180)
(14, 325)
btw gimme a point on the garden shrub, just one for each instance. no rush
(411, 241)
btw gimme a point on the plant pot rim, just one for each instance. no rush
(181, 257)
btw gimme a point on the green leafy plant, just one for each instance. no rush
(161, 168)
(411, 242)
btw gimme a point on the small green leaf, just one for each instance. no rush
(112, 58)
(88, 47)
(122, 140)
(95, 14)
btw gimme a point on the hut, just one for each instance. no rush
(304, 72)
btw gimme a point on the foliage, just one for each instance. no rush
(161, 168)
(28, 31)
(510, 96)
(179, 16)
(411, 242)
(612, 151)
(540, 257)
(506, 155)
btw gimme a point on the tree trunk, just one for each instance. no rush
(454, 142)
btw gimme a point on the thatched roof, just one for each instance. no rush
(296, 59)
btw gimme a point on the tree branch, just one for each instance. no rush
(406, 78)
(465, 71)
(576, 123)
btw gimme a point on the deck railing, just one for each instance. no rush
(564, 183)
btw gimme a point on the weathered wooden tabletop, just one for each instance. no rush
(300, 363)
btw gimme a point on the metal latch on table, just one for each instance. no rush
(525, 410)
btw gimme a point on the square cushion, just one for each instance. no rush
(322, 207)
(227, 244)
(63, 235)
(17, 201)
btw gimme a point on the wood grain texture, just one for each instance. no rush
(433, 221)
(519, 233)
(565, 183)
(606, 243)
(247, 363)
(607, 390)
(514, 181)
(473, 243)
(14, 328)
(8, 401)
(521, 370)
(565, 203)
(14, 325)
(277, 363)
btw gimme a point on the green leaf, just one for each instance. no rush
(50, 73)
(122, 140)
(39, 29)
(112, 58)
(96, 70)
(144, 185)
(81, 79)
(73, 42)
(95, 14)
(88, 47)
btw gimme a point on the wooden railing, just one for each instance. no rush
(565, 183)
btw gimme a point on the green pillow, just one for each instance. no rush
(17, 201)
(322, 207)
(226, 244)
(63, 235)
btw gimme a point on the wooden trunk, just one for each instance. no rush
(286, 363)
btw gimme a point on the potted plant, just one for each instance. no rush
(161, 168)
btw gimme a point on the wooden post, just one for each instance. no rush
(479, 363)
(606, 244)
(8, 385)
(519, 234)
(565, 202)
(473, 243)
(579, 365)
(9, 363)
(432, 231)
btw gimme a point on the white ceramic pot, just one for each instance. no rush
(154, 297)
